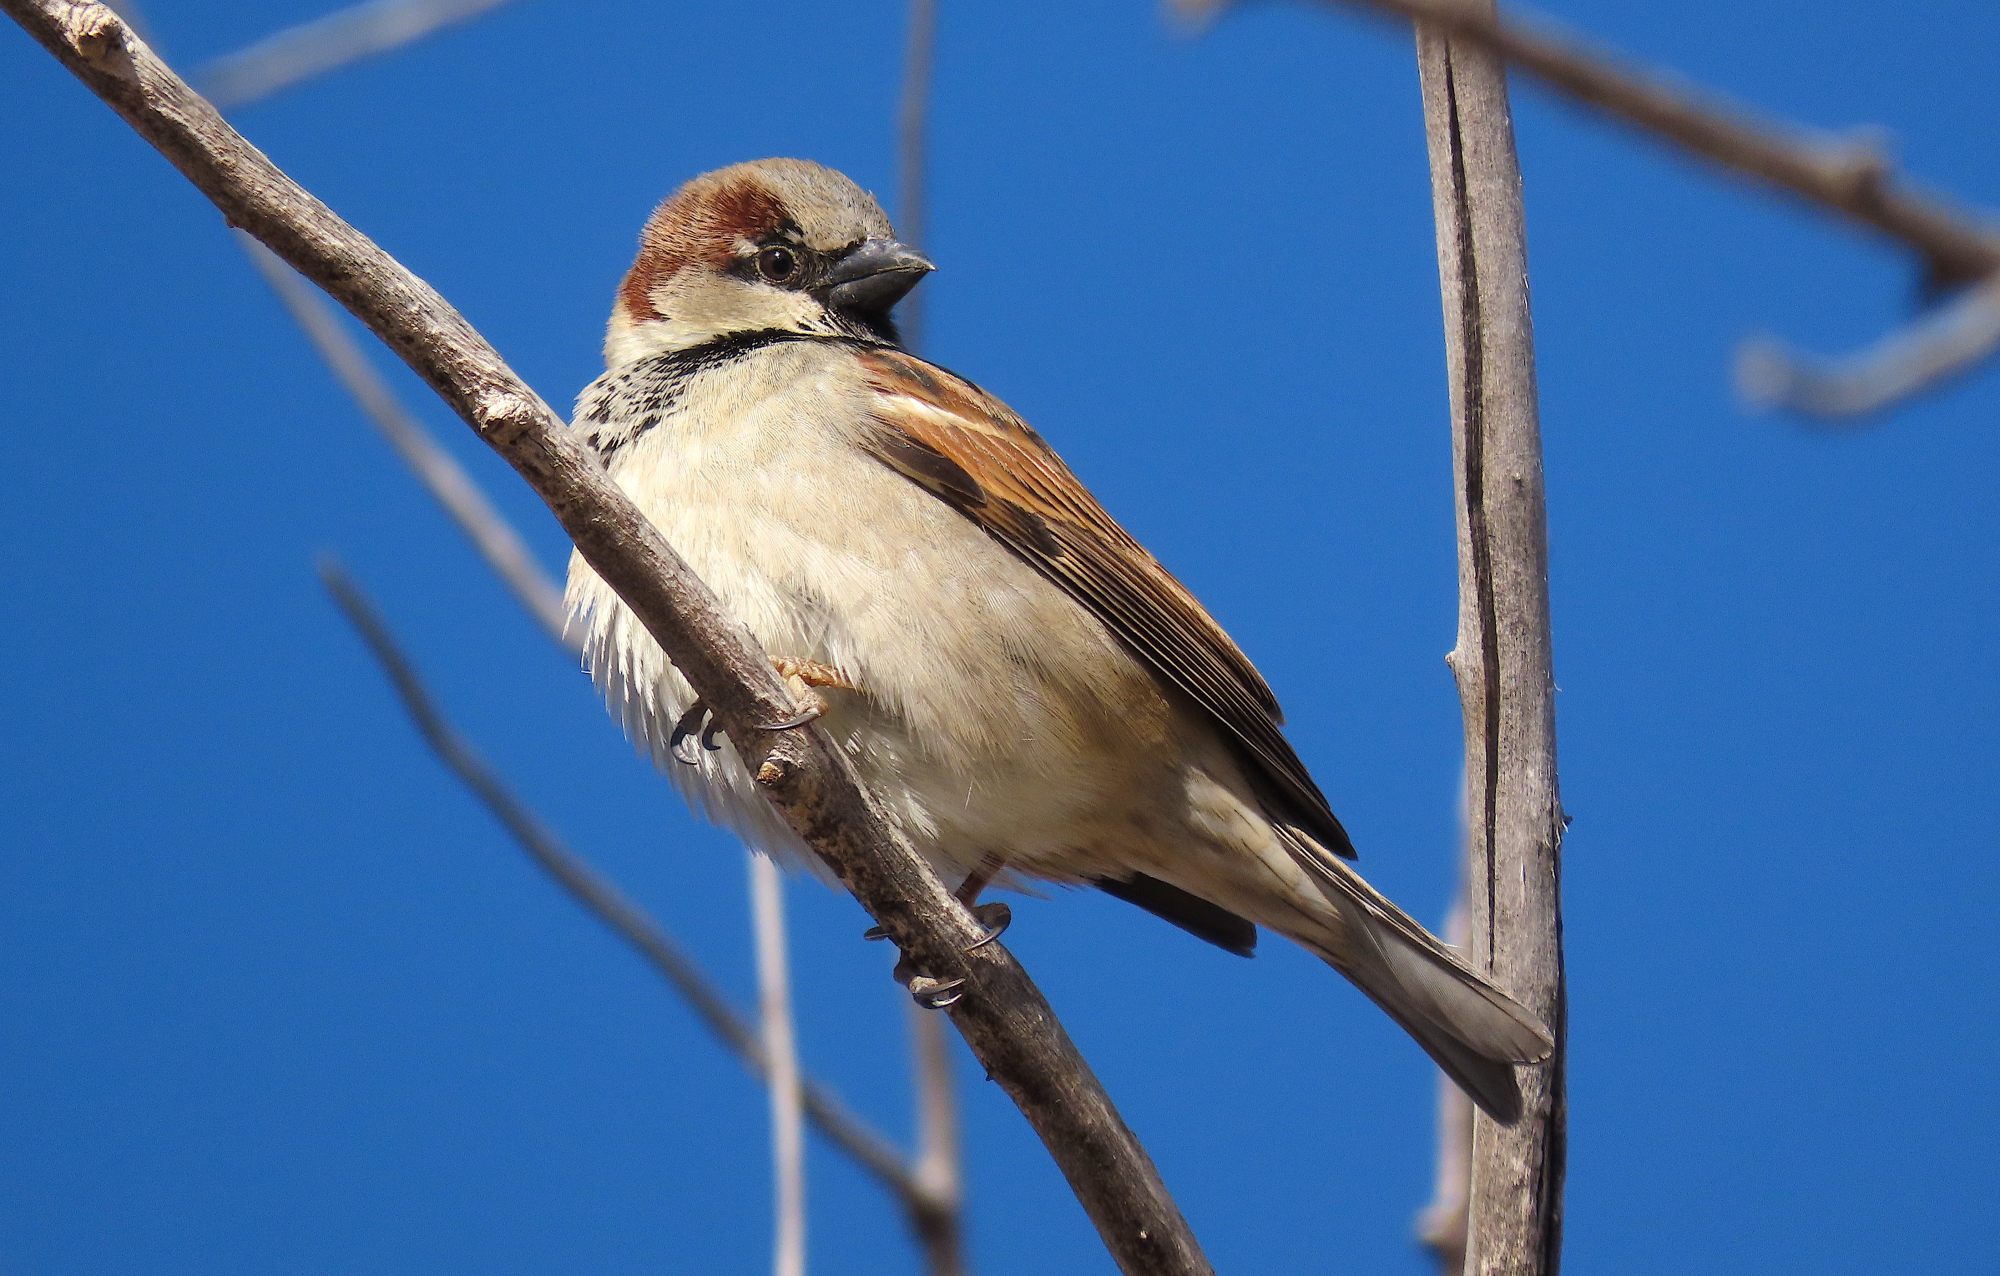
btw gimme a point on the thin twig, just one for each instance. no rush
(912, 126)
(1849, 177)
(1941, 345)
(848, 1132)
(1009, 1025)
(941, 1229)
(1441, 1225)
(781, 1050)
(325, 44)
(1502, 658)
(442, 476)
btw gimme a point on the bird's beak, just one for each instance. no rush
(875, 276)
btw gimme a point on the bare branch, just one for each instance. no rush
(314, 48)
(1848, 177)
(848, 1132)
(442, 476)
(1941, 345)
(941, 1230)
(1502, 658)
(781, 1053)
(1004, 1018)
(913, 120)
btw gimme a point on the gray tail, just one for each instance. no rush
(1473, 1031)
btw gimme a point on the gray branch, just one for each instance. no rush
(1002, 1015)
(314, 48)
(1954, 339)
(589, 888)
(1848, 177)
(912, 129)
(442, 476)
(1502, 658)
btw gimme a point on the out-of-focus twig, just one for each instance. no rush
(1441, 1225)
(941, 1230)
(781, 1052)
(1849, 177)
(1958, 336)
(446, 480)
(314, 48)
(848, 1132)
(912, 127)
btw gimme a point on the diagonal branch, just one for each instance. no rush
(1847, 178)
(848, 1132)
(442, 476)
(1947, 343)
(313, 48)
(1003, 1017)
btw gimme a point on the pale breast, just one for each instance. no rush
(996, 716)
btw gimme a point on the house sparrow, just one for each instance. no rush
(1028, 693)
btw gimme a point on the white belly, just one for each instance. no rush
(996, 716)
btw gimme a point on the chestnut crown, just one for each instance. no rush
(772, 245)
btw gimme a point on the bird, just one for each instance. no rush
(1031, 696)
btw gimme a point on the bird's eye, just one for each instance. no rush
(777, 264)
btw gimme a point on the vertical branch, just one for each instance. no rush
(913, 119)
(781, 1053)
(1503, 657)
(937, 1169)
(939, 1226)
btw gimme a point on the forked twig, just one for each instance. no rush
(1848, 177)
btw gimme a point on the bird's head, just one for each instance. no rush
(773, 244)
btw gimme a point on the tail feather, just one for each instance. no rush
(1473, 1031)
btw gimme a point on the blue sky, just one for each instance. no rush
(279, 997)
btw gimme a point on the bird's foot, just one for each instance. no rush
(813, 674)
(800, 676)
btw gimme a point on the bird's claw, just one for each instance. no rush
(680, 743)
(995, 917)
(936, 994)
(929, 992)
(815, 707)
(875, 932)
(690, 727)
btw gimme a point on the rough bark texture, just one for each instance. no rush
(1003, 1016)
(1502, 659)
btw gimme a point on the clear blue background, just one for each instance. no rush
(279, 997)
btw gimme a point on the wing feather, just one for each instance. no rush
(968, 449)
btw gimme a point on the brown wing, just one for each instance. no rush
(965, 446)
